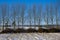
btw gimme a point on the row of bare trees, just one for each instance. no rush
(36, 15)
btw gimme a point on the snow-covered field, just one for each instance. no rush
(30, 36)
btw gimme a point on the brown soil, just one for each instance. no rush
(20, 30)
(42, 30)
(54, 30)
(8, 30)
(30, 30)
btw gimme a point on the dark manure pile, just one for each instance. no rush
(30, 30)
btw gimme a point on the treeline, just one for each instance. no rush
(33, 15)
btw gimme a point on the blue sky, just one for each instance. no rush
(30, 2)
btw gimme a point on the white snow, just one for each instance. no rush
(30, 36)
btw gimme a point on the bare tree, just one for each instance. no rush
(14, 16)
(0, 16)
(51, 14)
(39, 14)
(18, 13)
(34, 14)
(4, 10)
(7, 17)
(29, 14)
(0, 21)
(22, 14)
(46, 15)
(56, 11)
